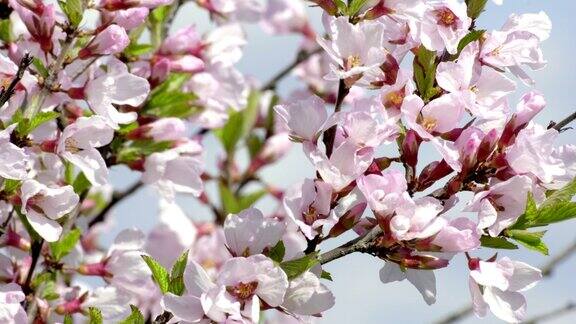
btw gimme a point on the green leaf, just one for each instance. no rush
(135, 49)
(424, 66)
(342, 7)
(497, 243)
(95, 315)
(48, 291)
(250, 199)
(250, 113)
(135, 317)
(74, 10)
(5, 31)
(81, 183)
(10, 186)
(277, 252)
(65, 244)
(229, 202)
(168, 100)
(475, 7)
(177, 274)
(564, 194)
(40, 68)
(42, 278)
(138, 149)
(68, 319)
(531, 240)
(26, 126)
(472, 36)
(254, 144)
(295, 268)
(156, 20)
(231, 133)
(559, 212)
(355, 6)
(326, 275)
(159, 273)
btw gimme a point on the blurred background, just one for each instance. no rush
(360, 296)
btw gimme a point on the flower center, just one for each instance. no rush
(429, 123)
(394, 99)
(352, 61)
(446, 17)
(71, 145)
(310, 216)
(242, 290)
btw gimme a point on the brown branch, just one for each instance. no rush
(35, 251)
(116, 198)
(330, 133)
(546, 269)
(569, 307)
(5, 94)
(302, 56)
(360, 244)
(559, 126)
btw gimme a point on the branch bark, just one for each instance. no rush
(116, 198)
(569, 307)
(5, 94)
(302, 56)
(360, 244)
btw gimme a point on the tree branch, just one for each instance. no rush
(569, 307)
(116, 198)
(330, 133)
(5, 94)
(547, 270)
(302, 56)
(359, 244)
(559, 126)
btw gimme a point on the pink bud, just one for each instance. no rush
(328, 5)
(111, 40)
(377, 11)
(410, 148)
(94, 269)
(528, 107)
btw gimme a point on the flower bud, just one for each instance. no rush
(111, 40)
(410, 148)
(328, 5)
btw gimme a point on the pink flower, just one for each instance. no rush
(164, 129)
(531, 153)
(518, 43)
(304, 118)
(286, 16)
(308, 206)
(111, 40)
(237, 292)
(176, 170)
(498, 286)
(459, 235)
(14, 161)
(354, 49)
(444, 24)
(249, 232)
(417, 219)
(79, 142)
(307, 296)
(127, 19)
(43, 205)
(501, 205)
(383, 192)
(423, 280)
(173, 235)
(11, 311)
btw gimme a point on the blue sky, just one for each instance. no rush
(360, 296)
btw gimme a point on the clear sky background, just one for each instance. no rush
(360, 296)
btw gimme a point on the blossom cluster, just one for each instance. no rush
(89, 86)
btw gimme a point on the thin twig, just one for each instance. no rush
(35, 251)
(547, 270)
(53, 72)
(360, 244)
(302, 56)
(5, 94)
(330, 133)
(116, 198)
(569, 307)
(559, 126)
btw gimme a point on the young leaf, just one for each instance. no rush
(10, 186)
(472, 36)
(168, 100)
(95, 315)
(475, 7)
(138, 49)
(159, 273)
(497, 243)
(40, 68)
(277, 252)
(250, 113)
(229, 201)
(135, 317)
(564, 194)
(250, 199)
(81, 183)
(74, 10)
(26, 126)
(530, 213)
(231, 133)
(425, 72)
(64, 246)
(68, 319)
(326, 275)
(531, 240)
(5, 31)
(294, 268)
(355, 6)
(558, 212)
(177, 274)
